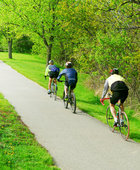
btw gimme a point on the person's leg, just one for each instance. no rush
(49, 85)
(122, 107)
(113, 100)
(72, 85)
(55, 81)
(55, 77)
(122, 110)
(123, 97)
(66, 91)
(113, 111)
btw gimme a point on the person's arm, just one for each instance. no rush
(76, 76)
(106, 86)
(60, 75)
(47, 71)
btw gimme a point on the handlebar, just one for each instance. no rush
(61, 81)
(102, 100)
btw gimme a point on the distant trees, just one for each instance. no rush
(36, 18)
(105, 35)
(96, 34)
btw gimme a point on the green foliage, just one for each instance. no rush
(95, 35)
(23, 45)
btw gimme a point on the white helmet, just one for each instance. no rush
(68, 64)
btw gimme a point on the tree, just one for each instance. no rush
(7, 30)
(36, 17)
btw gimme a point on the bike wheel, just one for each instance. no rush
(124, 128)
(65, 101)
(52, 90)
(109, 119)
(73, 103)
(55, 92)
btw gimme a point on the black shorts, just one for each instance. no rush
(71, 83)
(53, 74)
(118, 95)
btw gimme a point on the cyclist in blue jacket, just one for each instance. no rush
(53, 73)
(70, 77)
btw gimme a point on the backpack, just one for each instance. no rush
(55, 69)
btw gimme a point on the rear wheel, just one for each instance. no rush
(73, 103)
(124, 126)
(65, 101)
(55, 92)
(52, 90)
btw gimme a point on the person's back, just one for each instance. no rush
(119, 89)
(70, 77)
(69, 73)
(117, 83)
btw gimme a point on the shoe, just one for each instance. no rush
(123, 125)
(49, 91)
(115, 124)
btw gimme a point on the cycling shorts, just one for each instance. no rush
(118, 95)
(53, 74)
(71, 83)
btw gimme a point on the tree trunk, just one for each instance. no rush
(49, 54)
(10, 48)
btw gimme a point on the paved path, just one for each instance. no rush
(76, 141)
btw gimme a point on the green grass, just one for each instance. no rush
(18, 147)
(33, 67)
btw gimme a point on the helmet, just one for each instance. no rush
(114, 71)
(51, 62)
(68, 64)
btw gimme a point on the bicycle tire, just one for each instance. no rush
(124, 129)
(109, 119)
(65, 101)
(52, 90)
(55, 92)
(73, 103)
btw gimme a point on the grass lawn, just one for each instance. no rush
(33, 67)
(18, 147)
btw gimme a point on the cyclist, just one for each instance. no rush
(119, 92)
(70, 77)
(53, 73)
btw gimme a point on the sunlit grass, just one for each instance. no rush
(33, 67)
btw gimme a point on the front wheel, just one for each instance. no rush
(124, 128)
(109, 119)
(73, 103)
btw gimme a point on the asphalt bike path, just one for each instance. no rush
(75, 141)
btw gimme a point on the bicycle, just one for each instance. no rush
(123, 123)
(70, 100)
(53, 90)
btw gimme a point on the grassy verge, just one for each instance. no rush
(18, 147)
(33, 67)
